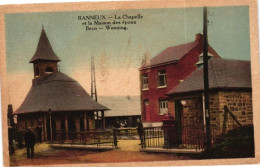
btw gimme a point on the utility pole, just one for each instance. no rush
(94, 95)
(206, 78)
(93, 80)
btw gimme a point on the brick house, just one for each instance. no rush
(55, 101)
(229, 85)
(163, 72)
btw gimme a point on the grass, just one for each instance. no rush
(237, 143)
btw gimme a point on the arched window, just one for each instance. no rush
(49, 69)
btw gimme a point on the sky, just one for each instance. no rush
(118, 53)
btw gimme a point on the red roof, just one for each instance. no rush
(172, 54)
(223, 73)
(44, 50)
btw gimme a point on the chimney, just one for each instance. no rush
(199, 37)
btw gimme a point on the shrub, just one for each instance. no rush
(237, 143)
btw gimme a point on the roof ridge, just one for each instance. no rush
(183, 44)
(226, 59)
(172, 53)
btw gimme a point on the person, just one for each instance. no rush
(122, 124)
(117, 124)
(29, 138)
(125, 124)
(140, 130)
(115, 131)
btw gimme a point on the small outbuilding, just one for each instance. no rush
(124, 109)
(229, 89)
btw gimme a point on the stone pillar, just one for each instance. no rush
(45, 127)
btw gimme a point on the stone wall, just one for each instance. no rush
(238, 102)
(192, 112)
(216, 114)
(192, 120)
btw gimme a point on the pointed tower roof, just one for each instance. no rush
(44, 50)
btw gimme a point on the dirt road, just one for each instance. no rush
(128, 152)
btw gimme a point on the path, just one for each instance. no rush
(128, 152)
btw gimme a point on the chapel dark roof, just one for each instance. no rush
(58, 92)
(223, 74)
(44, 50)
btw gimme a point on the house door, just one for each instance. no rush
(146, 113)
(178, 118)
(71, 127)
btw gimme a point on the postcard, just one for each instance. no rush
(142, 83)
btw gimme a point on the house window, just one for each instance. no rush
(146, 102)
(163, 107)
(162, 78)
(145, 82)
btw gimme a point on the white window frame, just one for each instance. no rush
(163, 107)
(161, 73)
(146, 102)
(145, 83)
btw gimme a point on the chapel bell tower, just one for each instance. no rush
(44, 60)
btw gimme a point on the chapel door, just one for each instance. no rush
(71, 127)
(63, 129)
